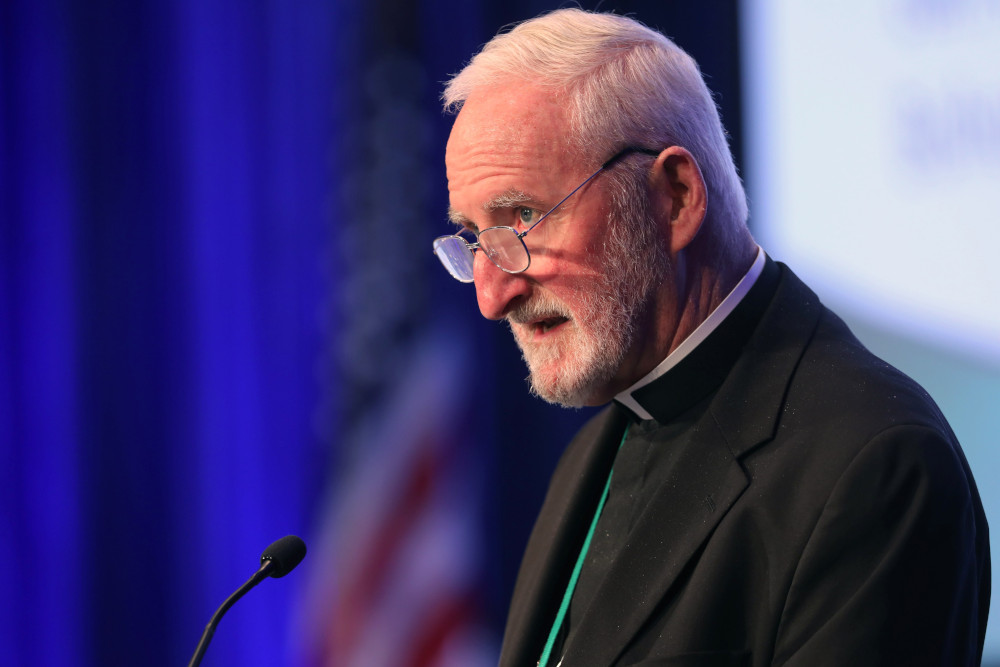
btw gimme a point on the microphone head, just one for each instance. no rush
(285, 554)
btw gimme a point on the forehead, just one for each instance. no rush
(511, 131)
(507, 112)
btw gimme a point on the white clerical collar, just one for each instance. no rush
(714, 319)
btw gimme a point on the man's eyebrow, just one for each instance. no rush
(457, 218)
(507, 199)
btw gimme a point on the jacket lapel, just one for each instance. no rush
(704, 483)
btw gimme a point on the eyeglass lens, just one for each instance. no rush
(501, 244)
(457, 257)
(504, 248)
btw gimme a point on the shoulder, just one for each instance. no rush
(844, 426)
(841, 385)
(834, 378)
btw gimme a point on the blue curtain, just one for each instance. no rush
(164, 198)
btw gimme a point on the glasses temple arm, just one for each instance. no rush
(628, 151)
(611, 161)
(589, 178)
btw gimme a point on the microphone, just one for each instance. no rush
(284, 555)
(278, 559)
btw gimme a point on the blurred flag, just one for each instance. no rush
(396, 577)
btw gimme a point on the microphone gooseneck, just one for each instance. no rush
(277, 560)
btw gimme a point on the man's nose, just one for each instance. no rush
(497, 290)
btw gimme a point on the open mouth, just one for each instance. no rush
(542, 327)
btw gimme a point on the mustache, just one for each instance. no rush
(538, 308)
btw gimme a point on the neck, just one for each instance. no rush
(692, 290)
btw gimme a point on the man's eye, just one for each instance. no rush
(527, 216)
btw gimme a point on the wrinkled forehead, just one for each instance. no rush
(517, 118)
(477, 126)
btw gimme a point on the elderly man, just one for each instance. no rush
(761, 490)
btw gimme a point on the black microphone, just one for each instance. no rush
(278, 559)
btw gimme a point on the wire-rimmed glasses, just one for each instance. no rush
(505, 245)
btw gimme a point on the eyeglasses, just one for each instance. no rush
(505, 245)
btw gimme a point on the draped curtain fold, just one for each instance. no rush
(164, 185)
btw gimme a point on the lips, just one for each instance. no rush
(538, 318)
(538, 329)
(543, 326)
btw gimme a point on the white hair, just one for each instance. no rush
(625, 85)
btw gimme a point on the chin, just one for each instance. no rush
(567, 394)
(575, 366)
(570, 382)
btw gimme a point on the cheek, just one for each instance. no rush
(586, 247)
(569, 265)
(574, 292)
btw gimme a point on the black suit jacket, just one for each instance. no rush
(816, 510)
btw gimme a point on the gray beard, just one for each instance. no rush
(576, 370)
(589, 351)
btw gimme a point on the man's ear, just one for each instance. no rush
(679, 196)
